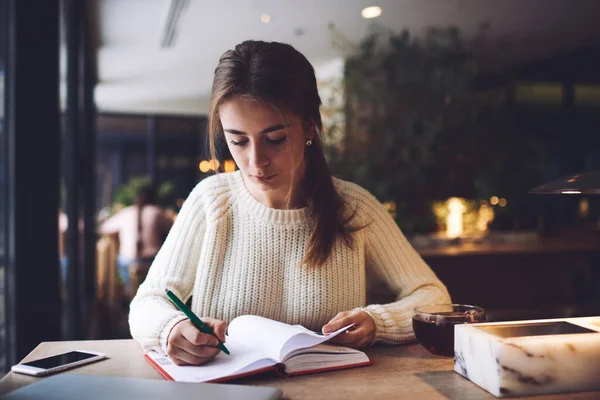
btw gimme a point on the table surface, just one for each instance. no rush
(398, 372)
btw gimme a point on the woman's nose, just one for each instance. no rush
(259, 157)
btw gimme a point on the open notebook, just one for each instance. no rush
(258, 345)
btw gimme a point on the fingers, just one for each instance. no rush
(218, 327)
(339, 321)
(359, 337)
(360, 334)
(347, 337)
(181, 357)
(199, 350)
(188, 345)
(196, 337)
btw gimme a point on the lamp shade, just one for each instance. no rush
(587, 182)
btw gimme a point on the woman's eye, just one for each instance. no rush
(276, 141)
(241, 143)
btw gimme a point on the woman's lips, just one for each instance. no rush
(263, 178)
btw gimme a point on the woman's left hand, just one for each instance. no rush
(359, 335)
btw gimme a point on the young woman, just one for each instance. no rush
(280, 237)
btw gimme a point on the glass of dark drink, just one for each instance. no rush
(434, 325)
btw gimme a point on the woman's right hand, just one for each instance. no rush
(186, 345)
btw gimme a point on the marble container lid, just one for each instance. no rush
(532, 357)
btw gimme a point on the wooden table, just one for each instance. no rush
(407, 372)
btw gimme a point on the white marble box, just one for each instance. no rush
(521, 358)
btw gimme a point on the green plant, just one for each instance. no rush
(125, 194)
(417, 131)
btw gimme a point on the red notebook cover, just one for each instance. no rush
(278, 368)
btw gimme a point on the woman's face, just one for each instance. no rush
(267, 145)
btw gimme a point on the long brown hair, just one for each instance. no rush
(277, 74)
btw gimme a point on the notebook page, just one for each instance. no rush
(274, 339)
(323, 356)
(265, 335)
(323, 348)
(244, 357)
(306, 338)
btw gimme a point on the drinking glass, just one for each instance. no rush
(433, 325)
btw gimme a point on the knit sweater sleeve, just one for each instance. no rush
(152, 315)
(393, 259)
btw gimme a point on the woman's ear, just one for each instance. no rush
(311, 131)
(310, 134)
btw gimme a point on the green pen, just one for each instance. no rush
(194, 319)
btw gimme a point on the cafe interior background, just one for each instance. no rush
(448, 111)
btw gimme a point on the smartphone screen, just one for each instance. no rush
(58, 360)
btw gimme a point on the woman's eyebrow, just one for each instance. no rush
(266, 130)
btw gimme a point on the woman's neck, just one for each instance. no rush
(282, 199)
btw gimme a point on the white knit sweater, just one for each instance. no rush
(236, 256)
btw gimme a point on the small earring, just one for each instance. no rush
(308, 142)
